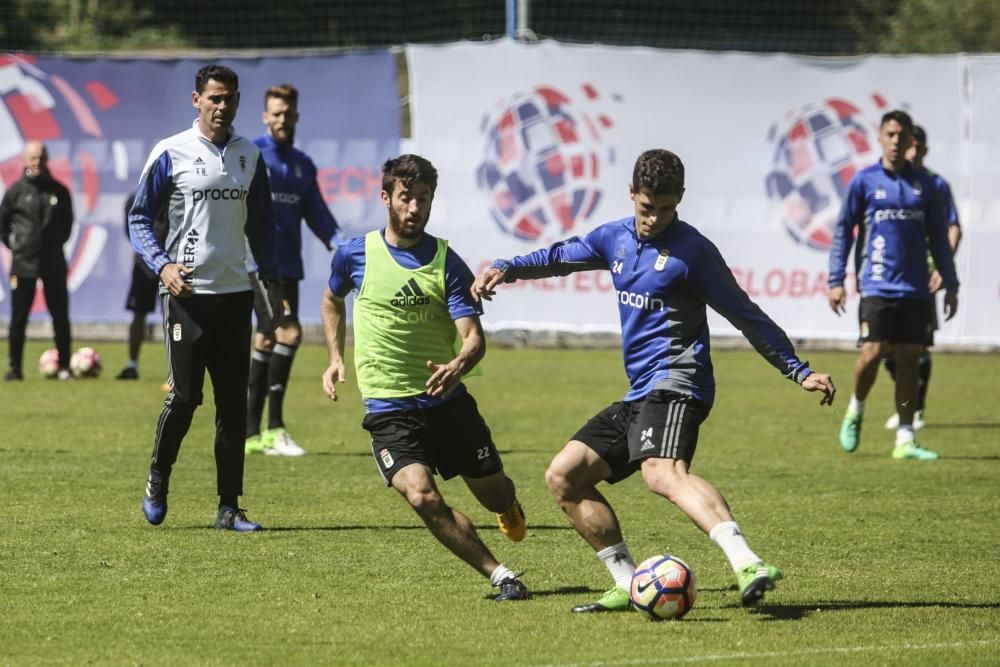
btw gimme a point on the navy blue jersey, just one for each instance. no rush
(900, 216)
(296, 197)
(347, 272)
(662, 285)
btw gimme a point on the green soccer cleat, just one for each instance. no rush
(850, 432)
(617, 599)
(912, 450)
(254, 444)
(754, 580)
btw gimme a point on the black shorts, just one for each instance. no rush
(144, 290)
(896, 320)
(450, 439)
(289, 293)
(662, 424)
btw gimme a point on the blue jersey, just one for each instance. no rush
(296, 196)
(662, 285)
(900, 216)
(347, 272)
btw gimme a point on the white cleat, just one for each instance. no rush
(278, 442)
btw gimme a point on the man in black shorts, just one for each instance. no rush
(142, 295)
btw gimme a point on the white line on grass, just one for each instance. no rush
(776, 654)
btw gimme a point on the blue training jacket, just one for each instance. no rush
(662, 285)
(296, 196)
(899, 217)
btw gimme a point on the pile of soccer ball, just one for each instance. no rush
(85, 363)
(663, 588)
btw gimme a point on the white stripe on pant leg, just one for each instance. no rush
(664, 444)
(679, 427)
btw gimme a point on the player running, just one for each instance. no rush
(665, 273)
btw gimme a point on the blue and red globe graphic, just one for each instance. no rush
(817, 150)
(543, 158)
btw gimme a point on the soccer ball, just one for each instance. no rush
(48, 363)
(663, 588)
(85, 363)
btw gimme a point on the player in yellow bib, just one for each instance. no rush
(413, 311)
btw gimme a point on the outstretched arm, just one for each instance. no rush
(332, 310)
(820, 382)
(445, 377)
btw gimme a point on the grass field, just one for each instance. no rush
(886, 562)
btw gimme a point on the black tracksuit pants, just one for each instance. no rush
(207, 332)
(57, 300)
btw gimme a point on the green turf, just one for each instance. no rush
(886, 562)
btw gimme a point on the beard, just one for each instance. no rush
(412, 231)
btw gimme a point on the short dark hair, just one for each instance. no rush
(407, 170)
(283, 91)
(219, 73)
(900, 117)
(658, 172)
(919, 134)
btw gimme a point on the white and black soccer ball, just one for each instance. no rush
(663, 588)
(85, 363)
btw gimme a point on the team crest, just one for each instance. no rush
(661, 261)
(918, 188)
(864, 330)
(177, 331)
(880, 193)
(386, 458)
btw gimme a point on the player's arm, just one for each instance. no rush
(6, 214)
(317, 216)
(63, 218)
(155, 187)
(445, 377)
(259, 227)
(559, 259)
(714, 282)
(944, 262)
(843, 238)
(333, 311)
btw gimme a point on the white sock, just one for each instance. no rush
(729, 538)
(501, 574)
(132, 363)
(855, 407)
(619, 563)
(904, 434)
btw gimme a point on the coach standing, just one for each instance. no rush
(215, 185)
(36, 218)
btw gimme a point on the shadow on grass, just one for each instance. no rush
(367, 453)
(796, 612)
(416, 526)
(946, 425)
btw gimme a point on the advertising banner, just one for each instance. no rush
(100, 118)
(536, 142)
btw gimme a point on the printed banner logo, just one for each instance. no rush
(817, 150)
(543, 157)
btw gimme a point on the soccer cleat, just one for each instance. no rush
(850, 432)
(64, 374)
(13, 374)
(912, 450)
(512, 589)
(234, 518)
(154, 500)
(253, 444)
(754, 580)
(278, 442)
(128, 373)
(892, 423)
(617, 599)
(511, 522)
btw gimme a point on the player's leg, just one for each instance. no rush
(911, 324)
(186, 352)
(889, 361)
(228, 368)
(664, 439)
(400, 445)
(57, 300)
(142, 295)
(260, 362)
(287, 335)
(597, 452)
(21, 298)
(872, 313)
